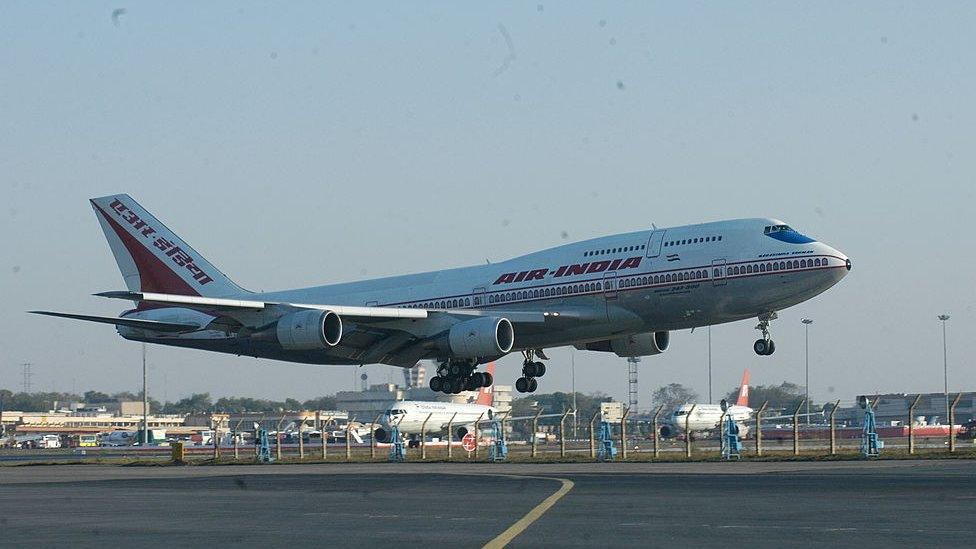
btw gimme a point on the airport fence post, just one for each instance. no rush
(423, 437)
(325, 437)
(688, 431)
(372, 437)
(656, 414)
(721, 433)
(593, 435)
(278, 438)
(833, 429)
(911, 424)
(349, 421)
(237, 431)
(759, 415)
(450, 437)
(623, 434)
(477, 435)
(216, 438)
(562, 434)
(952, 423)
(535, 429)
(796, 428)
(301, 439)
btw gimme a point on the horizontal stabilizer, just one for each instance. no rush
(153, 325)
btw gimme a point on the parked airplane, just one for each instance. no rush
(410, 416)
(706, 417)
(623, 294)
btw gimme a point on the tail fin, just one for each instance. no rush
(151, 257)
(744, 390)
(486, 395)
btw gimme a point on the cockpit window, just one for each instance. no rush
(777, 228)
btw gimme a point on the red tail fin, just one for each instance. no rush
(486, 394)
(744, 390)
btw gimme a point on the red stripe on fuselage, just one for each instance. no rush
(154, 275)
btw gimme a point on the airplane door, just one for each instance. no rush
(718, 272)
(609, 286)
(480, 298)
(654, 243)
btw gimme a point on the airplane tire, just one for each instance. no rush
(540, 369)
(533, 385)
(487, 380)
(772, 347)
(471, 383)
(760, 347)
(436, 384)
(454, 369)
(522, 385)
(457, 385)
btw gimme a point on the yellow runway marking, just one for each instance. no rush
(514, 530)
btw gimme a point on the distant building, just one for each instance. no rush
(416, 377)
(892, 409)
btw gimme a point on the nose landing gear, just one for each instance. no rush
(765, 346)
(530, 370)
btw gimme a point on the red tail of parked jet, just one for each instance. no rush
(744, 390)
(486, 394)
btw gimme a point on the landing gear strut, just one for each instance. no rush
(530, 370)
(765, 346)
(454, 376)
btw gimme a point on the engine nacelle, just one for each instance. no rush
(645, 344)
(481, 337)
(309, 330)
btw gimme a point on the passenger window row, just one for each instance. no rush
(698, 240)
(776, 266)
(666, 278)
(634, 248)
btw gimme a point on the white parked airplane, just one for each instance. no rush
(622, 293)
(409, 416)
(706, 417)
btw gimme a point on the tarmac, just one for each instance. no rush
(760, 504)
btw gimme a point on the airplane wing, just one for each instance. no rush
(388, 335)
(154, 325)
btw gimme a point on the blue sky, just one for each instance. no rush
(308, 143)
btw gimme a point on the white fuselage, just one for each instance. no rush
(604, 288)
(706, 417)
(410, 416)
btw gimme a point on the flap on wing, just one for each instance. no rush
(221, 303)
(153, 325)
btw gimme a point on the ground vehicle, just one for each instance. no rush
(87, 440)
(119, 438)
(49, 441)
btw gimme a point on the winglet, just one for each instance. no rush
(744, 390)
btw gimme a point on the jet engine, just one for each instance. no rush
(309, 330)
(645, 344)
(481, 337)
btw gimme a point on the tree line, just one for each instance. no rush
(195, 403)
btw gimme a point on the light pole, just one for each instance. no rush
(945, 365)
(806, 335)
(709, 364)
(572, 357)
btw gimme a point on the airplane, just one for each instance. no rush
(409, 416)
(621, 294)
(706, 417)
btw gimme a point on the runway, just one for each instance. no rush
(664, 504)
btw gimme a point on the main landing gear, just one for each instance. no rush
(530, 370)
(765, 346)
(454, 376)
